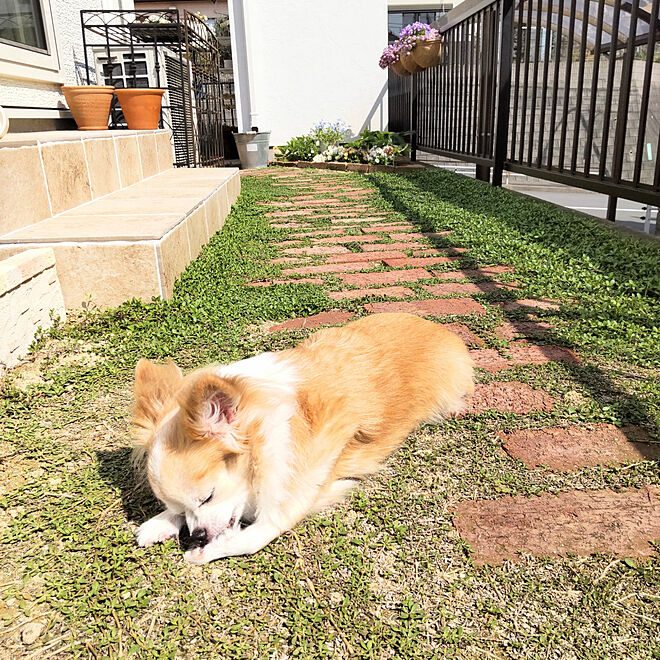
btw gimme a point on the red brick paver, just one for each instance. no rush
(513, 397)
(330, 268)
(523, 353)
(580, 522)
(318, 250)
(365, 256)
(389, 246)
(386, 227)
(389, 291)
(513, 329)
(301, 280)
(465, 288)
(430, 307)
(418, 261)
(490, 360)
(472, 273)
(366, 238)
(579, 446)
(512, 305)
(316, 321)
(464, 333)
(387, 277)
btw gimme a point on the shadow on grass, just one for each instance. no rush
(426, 198)
(116, 469)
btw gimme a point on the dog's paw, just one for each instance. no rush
(156, 530)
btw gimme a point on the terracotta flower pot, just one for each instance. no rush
(427, 53)
(408, 62)
(399, 69)
(141, 107)
(89, 105)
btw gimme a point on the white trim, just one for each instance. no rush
(37, 113)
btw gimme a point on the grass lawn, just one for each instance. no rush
(383, 575)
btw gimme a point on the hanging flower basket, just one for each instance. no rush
(399, 69)
(427, 53)
(408, 62)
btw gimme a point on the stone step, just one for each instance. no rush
(624, 524)
(580, 446)
(133, 242)
(43, 174)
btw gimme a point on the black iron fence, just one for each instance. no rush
(175, 51)
(563, 90)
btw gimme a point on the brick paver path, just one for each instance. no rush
(371, 260)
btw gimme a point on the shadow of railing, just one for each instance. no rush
(449, 189)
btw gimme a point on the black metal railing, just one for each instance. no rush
(175, 51)
(563, 90)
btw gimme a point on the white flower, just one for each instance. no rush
(319, 158)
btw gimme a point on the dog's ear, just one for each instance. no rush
(209, 408)
(155, 385)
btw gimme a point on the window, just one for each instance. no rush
(27, 41)
(397, 20)
(21, 23)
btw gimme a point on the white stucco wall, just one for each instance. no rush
(46, 96)
(297, 62)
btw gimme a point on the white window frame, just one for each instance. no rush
(18, 61)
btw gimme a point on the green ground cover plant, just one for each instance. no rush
(383, 575)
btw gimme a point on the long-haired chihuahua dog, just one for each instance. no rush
(274, 437)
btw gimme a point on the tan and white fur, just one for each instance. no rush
(276, 436)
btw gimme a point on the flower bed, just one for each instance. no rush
(364, 168)
(323, 144)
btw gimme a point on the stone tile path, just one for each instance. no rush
(375, 256)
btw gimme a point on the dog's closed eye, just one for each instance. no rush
(208, 499)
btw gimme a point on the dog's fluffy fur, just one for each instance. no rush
(279, 435)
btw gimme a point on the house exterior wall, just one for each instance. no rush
(298, 62)
(26, 96)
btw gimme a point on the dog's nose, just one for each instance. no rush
(197, 539)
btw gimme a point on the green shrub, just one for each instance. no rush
(300, 148)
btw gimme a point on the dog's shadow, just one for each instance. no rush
(116, 469)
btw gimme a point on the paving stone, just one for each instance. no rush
(353, 217)
(318, 250)
(398, 236)
(311, 322)
(472, 273)
(490, 360)
(523, 353)
(464, 333)
(386, 277)
(437, 234)
(512, 305)
(320, 232)
(466, 288)
(513, 329)
(366, 238)
(577, 522)
(288, 260)
(300, 280)
(285, 214)
(365, 256)
(580, 446)
(513, 397)
(443, 307)
(418, 262)
(330, 268)
(389, 246)
(389, 291)
(386, 228)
